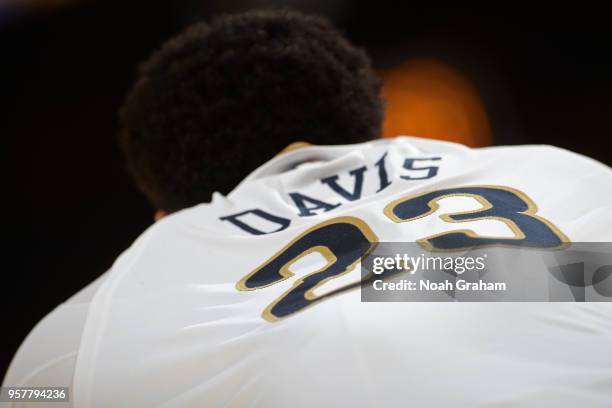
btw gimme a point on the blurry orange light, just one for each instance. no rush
(428, 98)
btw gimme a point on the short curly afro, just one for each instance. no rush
(220, 99)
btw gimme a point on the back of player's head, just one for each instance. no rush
(220, 99)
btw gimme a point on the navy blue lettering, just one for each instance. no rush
(332, 182)
(234, 219)
(300, 201)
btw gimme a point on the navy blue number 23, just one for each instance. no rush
(342, 241)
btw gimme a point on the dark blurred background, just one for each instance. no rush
(544, 75)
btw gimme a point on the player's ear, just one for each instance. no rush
(159, 214)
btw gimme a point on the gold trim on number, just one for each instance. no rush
(323, 250)
(433, 205)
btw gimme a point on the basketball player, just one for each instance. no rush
(234, 298)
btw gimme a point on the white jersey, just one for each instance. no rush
(232, 303)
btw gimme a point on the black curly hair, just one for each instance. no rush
(220, 99)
